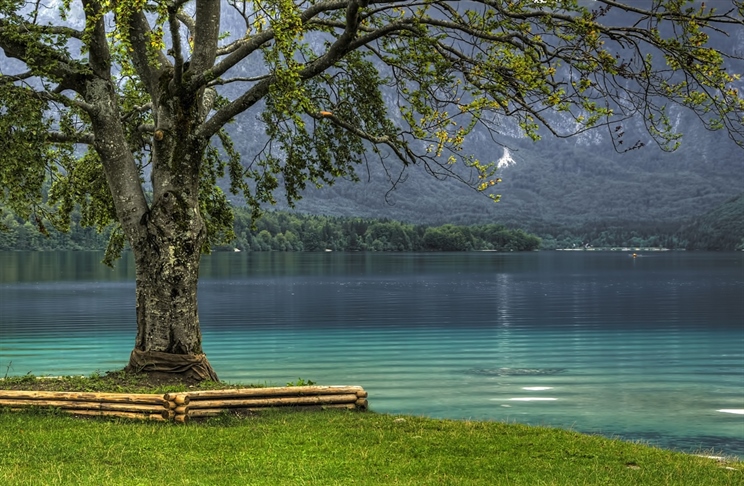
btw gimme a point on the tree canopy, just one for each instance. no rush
(335, 82)
(121, 106)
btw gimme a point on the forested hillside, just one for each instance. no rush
(573, 183)
(281, 231)
(16, 234)
(719, 229)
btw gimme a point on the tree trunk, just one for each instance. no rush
(166, 236)
(167, 271)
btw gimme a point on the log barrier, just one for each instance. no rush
(130, 406)
(181, 407)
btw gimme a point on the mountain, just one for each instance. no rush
(559, 182)
(553, 182)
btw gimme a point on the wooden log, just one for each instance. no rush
(177, 398)
(139, 398)
(207, 412)
(361, 394)
(273, 402)
(181, 410)
(76, 405)
(361, 404)
(214, 412)
(347, 406)
(162, 417)
(115, 414)
(267, 392)
(181, 419)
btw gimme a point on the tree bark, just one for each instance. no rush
(166, 239)
(167, 271)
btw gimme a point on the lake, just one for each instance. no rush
(648, 348)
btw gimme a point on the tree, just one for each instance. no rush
(122, 106)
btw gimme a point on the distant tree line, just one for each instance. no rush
(604, 235)
(16, 234)
(282, 231)
(719, 229)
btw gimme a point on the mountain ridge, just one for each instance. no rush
(554, 181)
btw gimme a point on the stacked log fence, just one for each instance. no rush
(131, 406)
(208, 403)
(178, 406)
(181, 407)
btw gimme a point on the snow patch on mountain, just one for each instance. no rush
(506, 160)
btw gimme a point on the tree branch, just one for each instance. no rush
(99, 56)
(222, 82)
(243, 48)
(82, 137)
(58, 30)
(136, 111)
(41, 59)
(57, 97)
(399, 147)
(239, 105)
(149, 70)
(186, 20)
(335, 52)
(175, 31)
(206, 35)
(12, 78)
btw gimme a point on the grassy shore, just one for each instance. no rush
(331, 447)
(325, 448)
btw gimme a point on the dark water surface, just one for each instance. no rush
(648, 348)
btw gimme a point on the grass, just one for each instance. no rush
(39, 447)
(110, 382)
(332, 447)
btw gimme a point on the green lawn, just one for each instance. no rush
(327, 448)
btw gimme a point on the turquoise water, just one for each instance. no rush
(648, 348)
